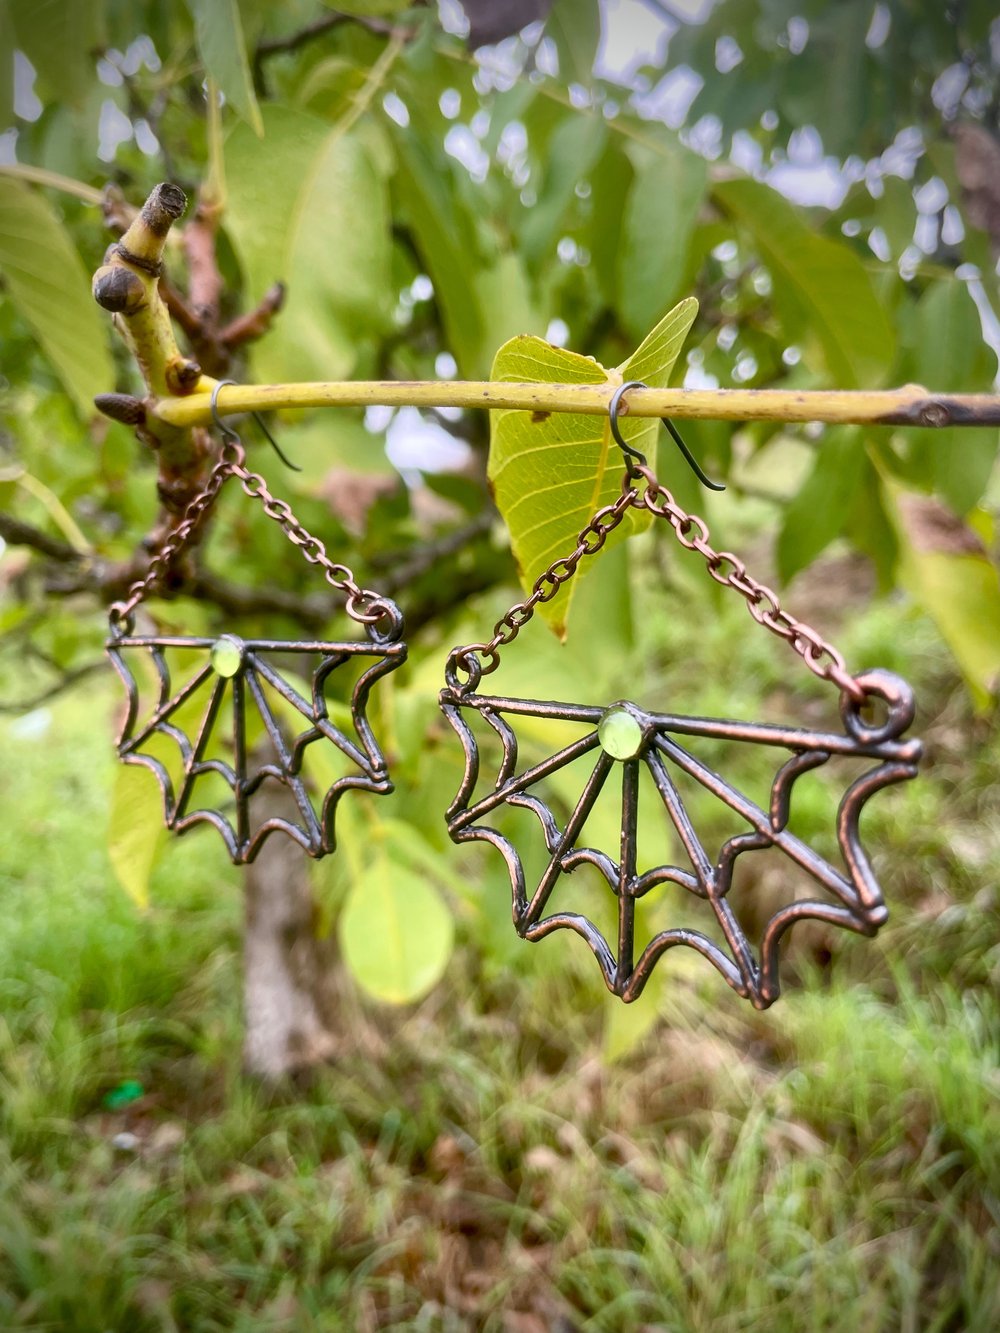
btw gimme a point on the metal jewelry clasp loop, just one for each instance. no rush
(632, 470)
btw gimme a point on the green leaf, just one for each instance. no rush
(504, 297)
(951, 356)
(611, 180)
(59, 37)
(48, 284)
(307, 207)
(963, 463)
(575, 27)
(218, 32)
(6, 70)
(962, 594)
(572, 151)
(945, 568)
(551, 475)
(821, 287)
(660, 213)
(136, 833)
(369, 9)
(396, 931)
(445, 246)
(824, 503)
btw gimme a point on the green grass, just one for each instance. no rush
(470, 1162)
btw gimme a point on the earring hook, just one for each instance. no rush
(631, 453)
(228, 431)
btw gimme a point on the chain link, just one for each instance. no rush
(548, 583)
(821, 657)
(363, 605)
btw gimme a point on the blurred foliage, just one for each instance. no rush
(425, 204)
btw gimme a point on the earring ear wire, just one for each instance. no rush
(633, 456)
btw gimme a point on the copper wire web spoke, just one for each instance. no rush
(857, 902)
(248, 686)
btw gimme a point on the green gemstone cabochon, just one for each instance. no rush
(226, 656)
(619, 733)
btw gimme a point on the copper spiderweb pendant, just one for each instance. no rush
(272, 692)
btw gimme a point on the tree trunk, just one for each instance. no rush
(288, 975)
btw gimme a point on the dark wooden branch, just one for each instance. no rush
(17, 533)
(65, 682)
(404, 568)
(255, 323)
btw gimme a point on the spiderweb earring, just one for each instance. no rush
(658, 751)
(249, 679)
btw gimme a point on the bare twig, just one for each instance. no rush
(255, 323)
(65, 682)
(276, 46)
(15, 532)
(402, 570)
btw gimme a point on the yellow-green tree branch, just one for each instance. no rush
(911, 405)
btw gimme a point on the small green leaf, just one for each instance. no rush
(821, 287)
(962, 594)
(369, 9)
(949, 573)
(6, 71)
(295, 210)
(660, 213)
(504, 297)
(47, 283)
(59, 37)
(136, 834)
(444, 242)
(396, 931)
(218, 32)
(550, 476)
(950, 356)
(575, 27)
(824, 503)
(573, 150)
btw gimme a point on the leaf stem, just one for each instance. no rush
(909, 406)
(53, 181)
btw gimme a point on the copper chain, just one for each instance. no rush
(362, 605)
(821, 657)
(548, 583)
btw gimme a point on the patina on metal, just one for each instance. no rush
(625, 736)
(247, 673)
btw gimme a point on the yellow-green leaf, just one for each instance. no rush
(396, 931)
(136, 833)
(218, 31)
(48, 284)
(550, 476)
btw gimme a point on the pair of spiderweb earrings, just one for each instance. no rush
(620, 736)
